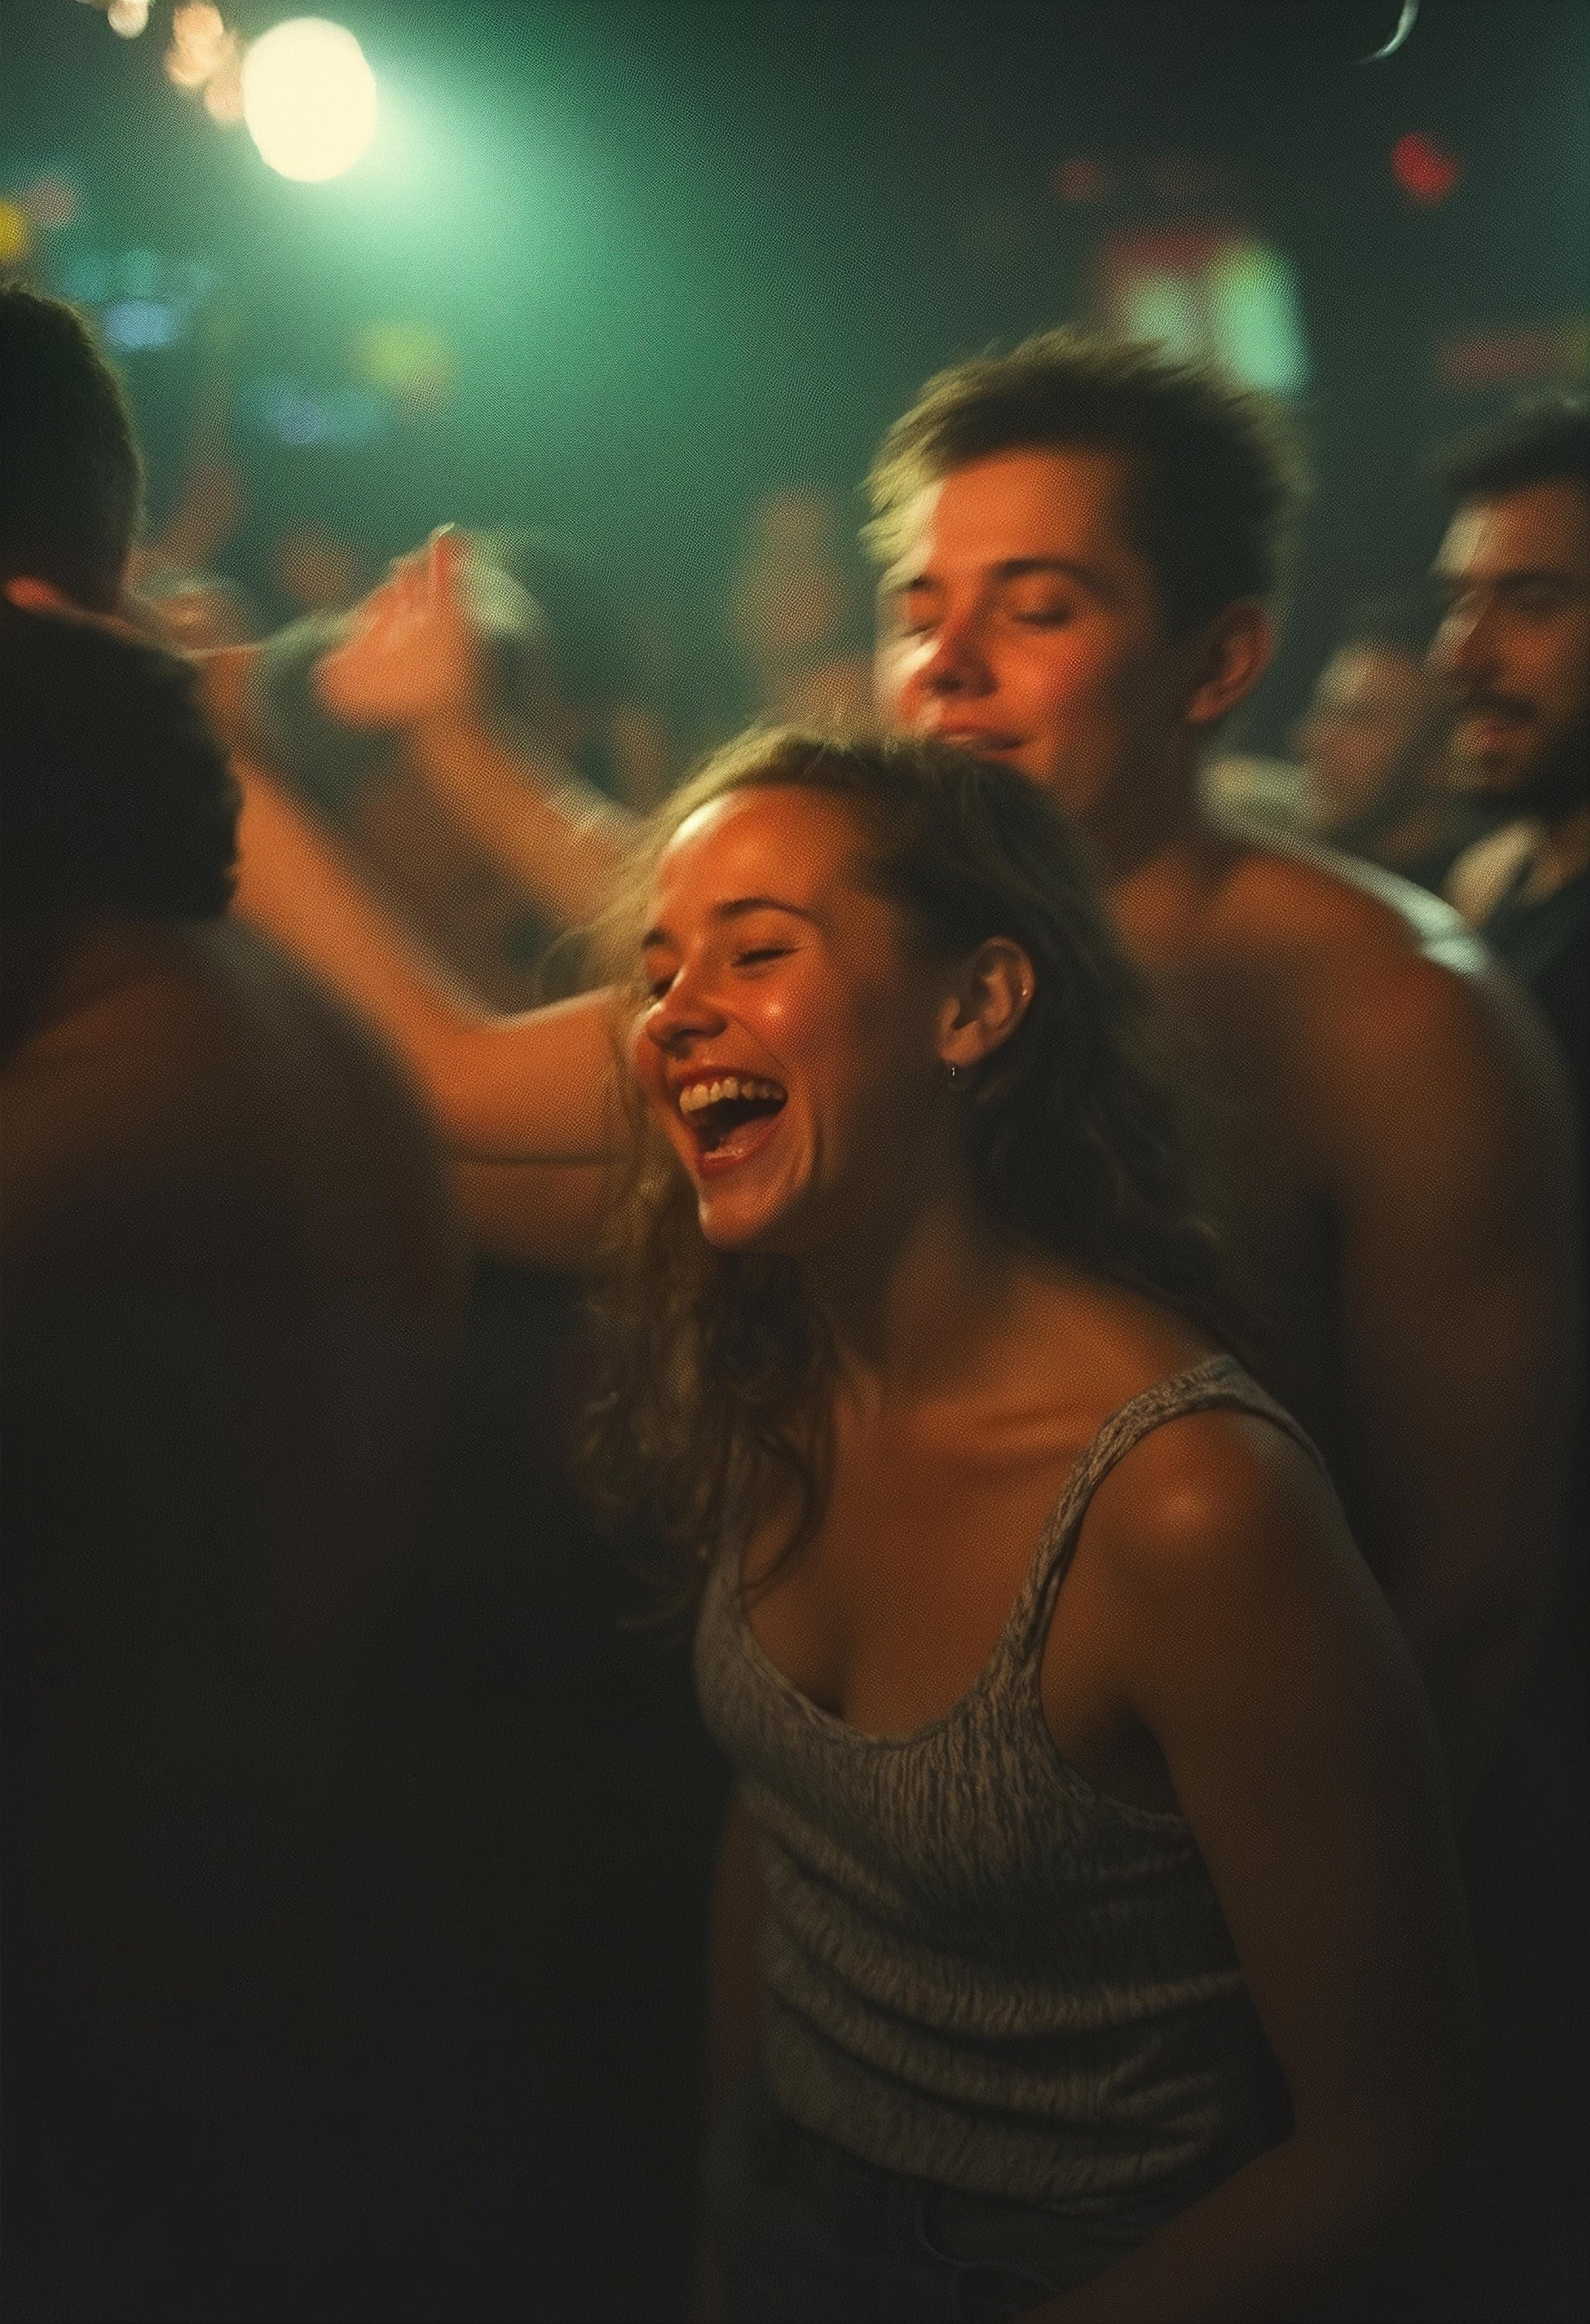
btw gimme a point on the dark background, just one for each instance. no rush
(679, 252)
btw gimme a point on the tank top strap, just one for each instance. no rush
(1216, 1383)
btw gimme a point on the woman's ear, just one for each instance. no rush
(1233, 655)
(992, 992)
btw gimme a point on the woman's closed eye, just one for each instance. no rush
(756, 955)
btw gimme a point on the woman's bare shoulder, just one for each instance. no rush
(1224, 1555)
(1216, 1503)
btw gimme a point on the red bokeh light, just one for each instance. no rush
(1082, 179)
(1425, 170)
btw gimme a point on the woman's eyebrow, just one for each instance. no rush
(739, 905)
(735, 908)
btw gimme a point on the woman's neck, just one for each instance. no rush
(919, 1315)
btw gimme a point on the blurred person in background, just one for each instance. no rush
(373, 785)
(1513, 651)
(449, 673)
(1374, 747)
(232, 1287)
(798, 616)
(484, 747)
(598, 709)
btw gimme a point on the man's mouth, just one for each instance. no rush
(729, 1117)
(1488, 714)
(981, 743)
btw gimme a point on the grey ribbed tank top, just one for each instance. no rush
(976, 1967)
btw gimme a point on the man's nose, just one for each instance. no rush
(1465, 644)
(954, 658)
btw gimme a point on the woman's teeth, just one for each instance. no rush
(730, 1116)
(701, 1094)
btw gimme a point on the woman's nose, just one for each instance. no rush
(683, 1012)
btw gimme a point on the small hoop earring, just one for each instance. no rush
(952, 1073)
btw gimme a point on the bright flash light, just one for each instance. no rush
(309, 98)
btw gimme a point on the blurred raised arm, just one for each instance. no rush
(535, 1088)
(413, 659)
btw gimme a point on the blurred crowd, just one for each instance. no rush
(1378, 770)
(377, 1951)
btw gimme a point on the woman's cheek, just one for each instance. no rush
(645, 1063)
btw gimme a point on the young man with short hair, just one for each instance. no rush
(1083, 543)
(1515, 649)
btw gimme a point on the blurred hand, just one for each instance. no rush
(34, 597)
(412, 651)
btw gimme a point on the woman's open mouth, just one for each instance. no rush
(730, 1118)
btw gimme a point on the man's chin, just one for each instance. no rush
(1553, 786)
(1496, 776)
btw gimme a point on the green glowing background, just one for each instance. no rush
(680, 250)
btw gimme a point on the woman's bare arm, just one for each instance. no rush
(534, 1088)
(545, 828)
(1258, 1653)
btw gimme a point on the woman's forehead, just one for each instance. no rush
(779, 839)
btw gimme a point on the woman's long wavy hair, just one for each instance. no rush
(715, 1370)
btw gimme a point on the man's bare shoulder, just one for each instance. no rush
(1388, 990)
(1373, 966)
(211, 1060)
(154, 1005)
(1310, 903)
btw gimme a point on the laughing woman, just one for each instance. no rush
(1088, 1935)
(1088, 1940)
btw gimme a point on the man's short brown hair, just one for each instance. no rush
(1215, 476)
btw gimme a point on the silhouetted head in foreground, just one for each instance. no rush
(115, 795)
(71, 481)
